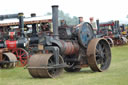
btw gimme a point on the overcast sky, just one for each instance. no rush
(103, 10)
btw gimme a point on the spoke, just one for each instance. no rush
(103, 49)
(20, 52)
(100, 48)
(21, 61)
(23, 54)
(97, 51)
(16, 53)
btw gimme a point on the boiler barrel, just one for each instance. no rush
(70, 48)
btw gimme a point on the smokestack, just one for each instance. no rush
(98, 26)
(118, 26)
(21, 23)
(33, 25)
(8, 16)
(123, 27)
(33, 14)
(55, 21)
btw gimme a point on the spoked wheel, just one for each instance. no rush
(22, 56)
(72, 67)
(38, 66)
(99, 55)
(124, 40)
(111, 43)
(9, 57)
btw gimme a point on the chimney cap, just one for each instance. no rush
(55, 6)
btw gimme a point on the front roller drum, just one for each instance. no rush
(99, 54)
(9, 60)
(38, 66)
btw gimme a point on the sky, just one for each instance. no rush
(104, 10)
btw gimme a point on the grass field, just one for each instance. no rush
(117, 74)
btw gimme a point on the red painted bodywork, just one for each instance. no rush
(11, 44)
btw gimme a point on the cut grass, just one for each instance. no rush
(117, 74)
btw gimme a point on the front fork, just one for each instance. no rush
(55, 51)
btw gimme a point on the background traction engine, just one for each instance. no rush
(111, 31)
(16, 45)
(104, 31)
(70, 49)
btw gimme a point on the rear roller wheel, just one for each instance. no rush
(124, 40)
(43, 60)
(111, 43)
(22, 56)
(9, 57)
(99, 55)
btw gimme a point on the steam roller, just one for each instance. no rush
(15, 43)
(70, 48)
(7, 59)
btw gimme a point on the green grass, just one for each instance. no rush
(117, 74)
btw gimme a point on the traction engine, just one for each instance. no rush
(111, 31)
(14, 45)
(70, 48)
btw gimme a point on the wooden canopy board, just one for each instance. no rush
(27, 21)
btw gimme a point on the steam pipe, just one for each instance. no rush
(8, 16)
(55, 21)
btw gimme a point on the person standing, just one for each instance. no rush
(92, 22)
(81, 21)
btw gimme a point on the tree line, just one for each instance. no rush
(65, 16)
